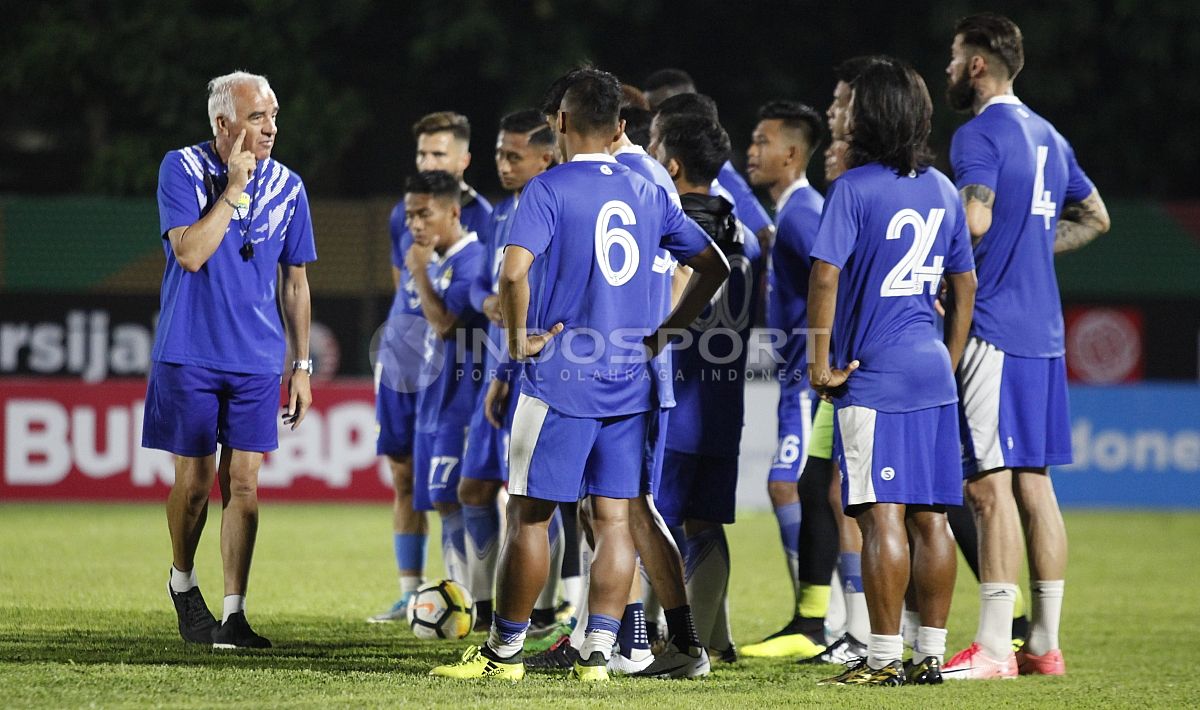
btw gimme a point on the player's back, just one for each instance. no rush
(797, 221)
(892, 236)
(1032, 171)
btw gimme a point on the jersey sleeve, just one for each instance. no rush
(960, 257)
(299, 246)
(179, 195)
(1079, 185)
(396, 230)
(840, 224)
(458, 294)
(974, 157)
(681, 237)
(749, 210)
(535, 219)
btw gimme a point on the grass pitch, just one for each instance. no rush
(85, 621)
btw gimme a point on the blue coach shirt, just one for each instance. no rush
(1032, 169)
(893, 236)
(226, 316)
(796, 221)
(595, 229)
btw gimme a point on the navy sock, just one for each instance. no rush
(681, 627)
(633, 629)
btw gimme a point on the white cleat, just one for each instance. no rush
(673, 663)
(972, 663)
(638, 661)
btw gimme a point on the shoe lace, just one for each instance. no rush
(469, 656)
(964, 655)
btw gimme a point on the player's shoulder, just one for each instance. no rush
(477, 201)
(278, 177)
(195, 161)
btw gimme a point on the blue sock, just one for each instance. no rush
(788, 517)
(482, 525)
(410, 551)
(632, 634)
(506, 637)
(850, 570)
(602, 622)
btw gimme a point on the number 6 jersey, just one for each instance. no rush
(893, 236)
(595, 228)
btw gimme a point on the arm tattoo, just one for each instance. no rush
(1080, 223)
(979, 193)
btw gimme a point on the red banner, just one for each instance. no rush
(68, 440)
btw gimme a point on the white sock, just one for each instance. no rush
(909, 623)
(581, 601)
(548, 598)
(183, 581)
(502, 648)
(1047, 610)
(234, 603)
(409, 584)
(930, 642)
(882, 649)
(996, 601)
(858, 620)
(707, 581)
(835, 617)
(581, 614)
(598, 640)
(722, 633)
(571, 587)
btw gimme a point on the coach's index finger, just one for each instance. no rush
(240, 143)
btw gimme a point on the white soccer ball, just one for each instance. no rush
(441, 609)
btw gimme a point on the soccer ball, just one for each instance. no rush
(442, 609)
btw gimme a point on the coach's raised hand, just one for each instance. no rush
(241, 165)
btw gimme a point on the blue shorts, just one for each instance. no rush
(697, 487)
(395, 413)
(486, 458)
(905, 457)
(1015, 412)
(191, 409)
(437, 465)
(560, 458)
(797, 406)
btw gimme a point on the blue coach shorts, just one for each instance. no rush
(797, 405)
(1015, 412)
(486, 458)
(560, 458)
(698, 487)
(395, 414)
(437, 465)
(905, 457)
(191, 409)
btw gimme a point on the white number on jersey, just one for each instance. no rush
(720, 312)
(608, 237)
(911, 274)
(440, 469)
(788, 452)
(1043, 205)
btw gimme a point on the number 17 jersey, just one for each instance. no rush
(594, 228)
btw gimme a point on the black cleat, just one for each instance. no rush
(845, 650)
(559, 657)
(859, 673)
(926, 672)
(196, 622)
(236, 633)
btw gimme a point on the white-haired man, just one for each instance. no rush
(229, 218)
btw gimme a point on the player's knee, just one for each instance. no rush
(477, 493)
(243, 486)
(987, 493)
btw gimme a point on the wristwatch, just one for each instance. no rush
(306, 365)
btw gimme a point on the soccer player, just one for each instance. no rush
(230, 217)
(524, 148)
(582, 420)
(891, 228)
(783, 142)
(699, 478)
(1026, 200)
(443, 142)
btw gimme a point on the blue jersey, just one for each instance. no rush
(893, 237)
(636, 159)
(595, 228)
(450, 366)
(487, 283)
(710, 373)
(746, 206)
(1032, 170)
(796, 221)
(225, 316)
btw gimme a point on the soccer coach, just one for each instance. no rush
(231, 219)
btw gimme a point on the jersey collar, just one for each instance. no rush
(459, 245)
(800, 184)
(594, 157)
(1009, 99)
(632, 148)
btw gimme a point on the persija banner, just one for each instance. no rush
(66, 439)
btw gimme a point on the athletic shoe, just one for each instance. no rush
(1049, 663)
(859, 673)
(560, 656)
(728, 655)
(479, 662)
(398, 612)
(593, 669)
(973, 664)
(541, 628)
(789, 642)
(196, 622)
(927, 672)
(677, 663)
(541, 644)
(636, 662)
(235, 632)
(564, 612)
(841, 652)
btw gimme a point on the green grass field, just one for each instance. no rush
(85, 621)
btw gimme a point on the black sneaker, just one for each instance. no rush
(559, 657)
(196, 622)
(845, 650)
(926, 672)
(236, 633)
(542, 623)
(859, 673)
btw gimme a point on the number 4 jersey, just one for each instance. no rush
(1032, 170)
(595, 228)
(893, 236)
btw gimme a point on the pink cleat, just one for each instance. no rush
(973, 664)
(1049, 663)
